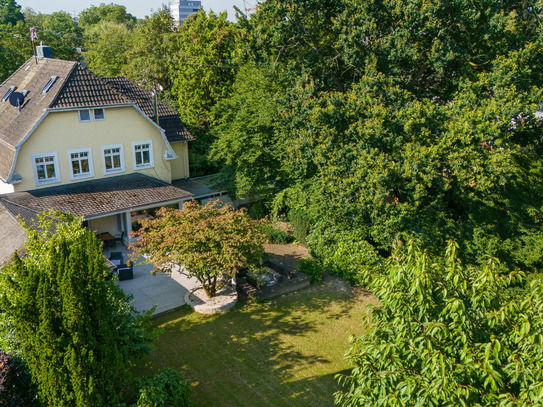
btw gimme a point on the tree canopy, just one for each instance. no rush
(396, 120)
(112, 13)
(10, 12)
(206, 242)
(446, 335)
(75, 325)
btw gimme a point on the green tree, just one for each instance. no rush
(433, 135)
(75, 326)
(33, 18)
(203, 71)
(112, 13)
(446, 335)
(246, 133)
(62, 34)
(206, 242)
(15, 48)
(10, 12)
(107, 44)
(152, 48)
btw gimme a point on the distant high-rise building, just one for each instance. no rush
(181, 9)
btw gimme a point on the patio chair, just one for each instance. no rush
(116, 258)
(125, 272)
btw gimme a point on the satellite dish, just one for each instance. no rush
(16, 99)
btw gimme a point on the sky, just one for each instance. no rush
(138, 8)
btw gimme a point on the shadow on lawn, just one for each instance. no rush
(305, 394)
(257, 351)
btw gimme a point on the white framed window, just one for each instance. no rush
(84, 115)
(81, 163)
(99, 114)
(46, 169)
(143, 154)
(113, 158)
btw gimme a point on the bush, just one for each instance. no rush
(258, 210)
(165, 389)
(312, 268)
(275, 235)
(346, 254)
(300, 226)
(16, 386)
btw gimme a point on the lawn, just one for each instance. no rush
(285, 352)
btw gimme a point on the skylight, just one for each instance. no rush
(8, 93)
(49, 84)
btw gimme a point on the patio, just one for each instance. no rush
(167, 293)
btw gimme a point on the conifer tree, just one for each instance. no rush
(75, 325)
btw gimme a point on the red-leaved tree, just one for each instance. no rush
(205, 242)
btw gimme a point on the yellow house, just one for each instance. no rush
(102, 148)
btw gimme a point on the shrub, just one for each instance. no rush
(346, 254)
(165, 389)
(258, 210)
(275, 235)
(300, 226)
(312, 268)
(16, 387)
(356, 261)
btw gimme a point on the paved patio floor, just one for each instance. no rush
(167, 293)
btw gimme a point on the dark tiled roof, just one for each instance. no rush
(100, 197)
(168, 118)
(85, 89)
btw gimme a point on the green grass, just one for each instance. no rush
(280, 353)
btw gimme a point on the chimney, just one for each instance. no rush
(43, 51)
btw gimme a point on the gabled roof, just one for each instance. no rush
(168, 118)
(75, 87)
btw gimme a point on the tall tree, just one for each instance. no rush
(434, 134)
(107, 44)
(445, 335)
(15, 48)
(62, 33)
(153, 45)
(76, 327)
(246, 141)
(203, 71)
(113, 13)
(301, 36)
(10, 12)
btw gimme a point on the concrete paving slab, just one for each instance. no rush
(167, 293)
